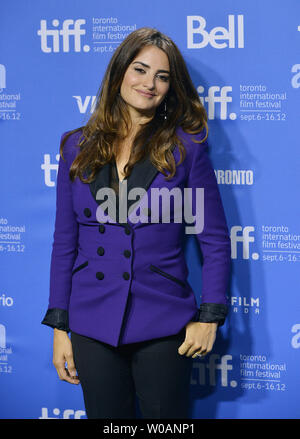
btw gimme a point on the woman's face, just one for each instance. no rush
(146, 81)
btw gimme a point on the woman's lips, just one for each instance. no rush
(149, 95)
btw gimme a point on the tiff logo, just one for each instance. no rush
(218, 36)
(51, 41)
(47, 167)
(2, 337)
(216, 362)
(2, 77)
(66, 414)
(244, 238)
(216, 95)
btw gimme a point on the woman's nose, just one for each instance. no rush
(149, 82)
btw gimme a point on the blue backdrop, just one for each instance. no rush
(244, 60)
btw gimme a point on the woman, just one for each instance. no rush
(118, 278)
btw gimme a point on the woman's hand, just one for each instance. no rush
(63, 353)
(199, 338)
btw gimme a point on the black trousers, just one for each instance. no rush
(153, 371)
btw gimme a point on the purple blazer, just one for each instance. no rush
(125, 282)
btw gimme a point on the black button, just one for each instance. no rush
(101, 228)
(100, 251)
(99, 275)
(126, 275)
(87, 212)
(127, 253)
(127, 230)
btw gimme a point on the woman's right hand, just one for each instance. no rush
(62, 354)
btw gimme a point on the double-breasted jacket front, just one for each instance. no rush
(126, 281)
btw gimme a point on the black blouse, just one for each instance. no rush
(114, 181)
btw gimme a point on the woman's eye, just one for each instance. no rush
(139, 70)
(164, 78)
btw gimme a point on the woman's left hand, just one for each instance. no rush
(199, 338)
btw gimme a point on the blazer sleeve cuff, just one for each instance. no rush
(57, 318)
(212, 313)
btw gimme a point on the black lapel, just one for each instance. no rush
(142, 175)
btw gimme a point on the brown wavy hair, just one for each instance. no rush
(110, 120)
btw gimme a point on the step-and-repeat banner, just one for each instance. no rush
(244, 60)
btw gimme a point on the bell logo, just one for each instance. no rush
(50, 38)
(196, 26)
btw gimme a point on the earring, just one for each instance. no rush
(164, 113)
